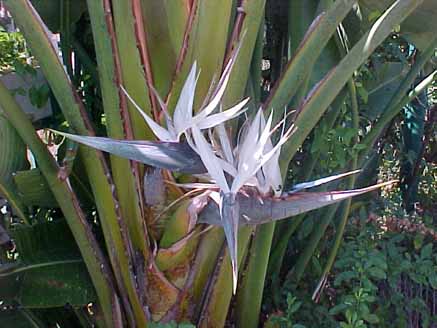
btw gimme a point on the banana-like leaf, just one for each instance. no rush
(255, 210)
(174, 156)
(51, 12)
(381, 86)
(16, 318)
(33, 189)
(50, 271)
(12, 150)
(12, 158)
(418, 28)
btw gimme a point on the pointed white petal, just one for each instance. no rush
(216, 119)
(250, 165)
(318, 182)
(221, 87)
(168, 119)
(225, 143)
(184, 108)
(270, 176)
(227, 167)
(161, 133)
(273, 174)
(247, 157)
(209, 159)
(265, 134)
(251, 138)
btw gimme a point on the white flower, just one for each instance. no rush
(183, 119)
(256, 152)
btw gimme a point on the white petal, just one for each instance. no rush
(209, 159)
(221, 87)
(250, 139)
(252, 161)
(273, 174)
(318, 182)
(227, 167)
(225, 143)
(168, 119)
(216, 119)
(184, 108)
(161, 133)
(265, 134)
(271, 171)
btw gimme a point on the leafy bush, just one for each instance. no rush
(13, 51)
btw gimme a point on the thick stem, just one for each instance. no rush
(126, 174)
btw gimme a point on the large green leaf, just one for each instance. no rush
(12, 158)
(49, 272)
(33, 189)
(380, 87)
(50, 11)
(418, 28)
(16, 319)
(12, 150)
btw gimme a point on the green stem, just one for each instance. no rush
(286, 229)
(298, 270)
(346, 206)
(218, 297)
(98, 268)
(133, 73)
(250, 294)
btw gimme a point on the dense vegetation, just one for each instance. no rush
(89, 238)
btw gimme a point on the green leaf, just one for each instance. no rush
(433, 280)
(39, 95)
(50, 271)
(33, 189)
(384, 82)
(418, 28)
(345, 276)
(50, 12)
(377, 273)
(426, 251)
(16, 319)
(306, 228)
(12, 150)
(322, 95)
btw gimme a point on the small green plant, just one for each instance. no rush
(288, 319)
(361, 266)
